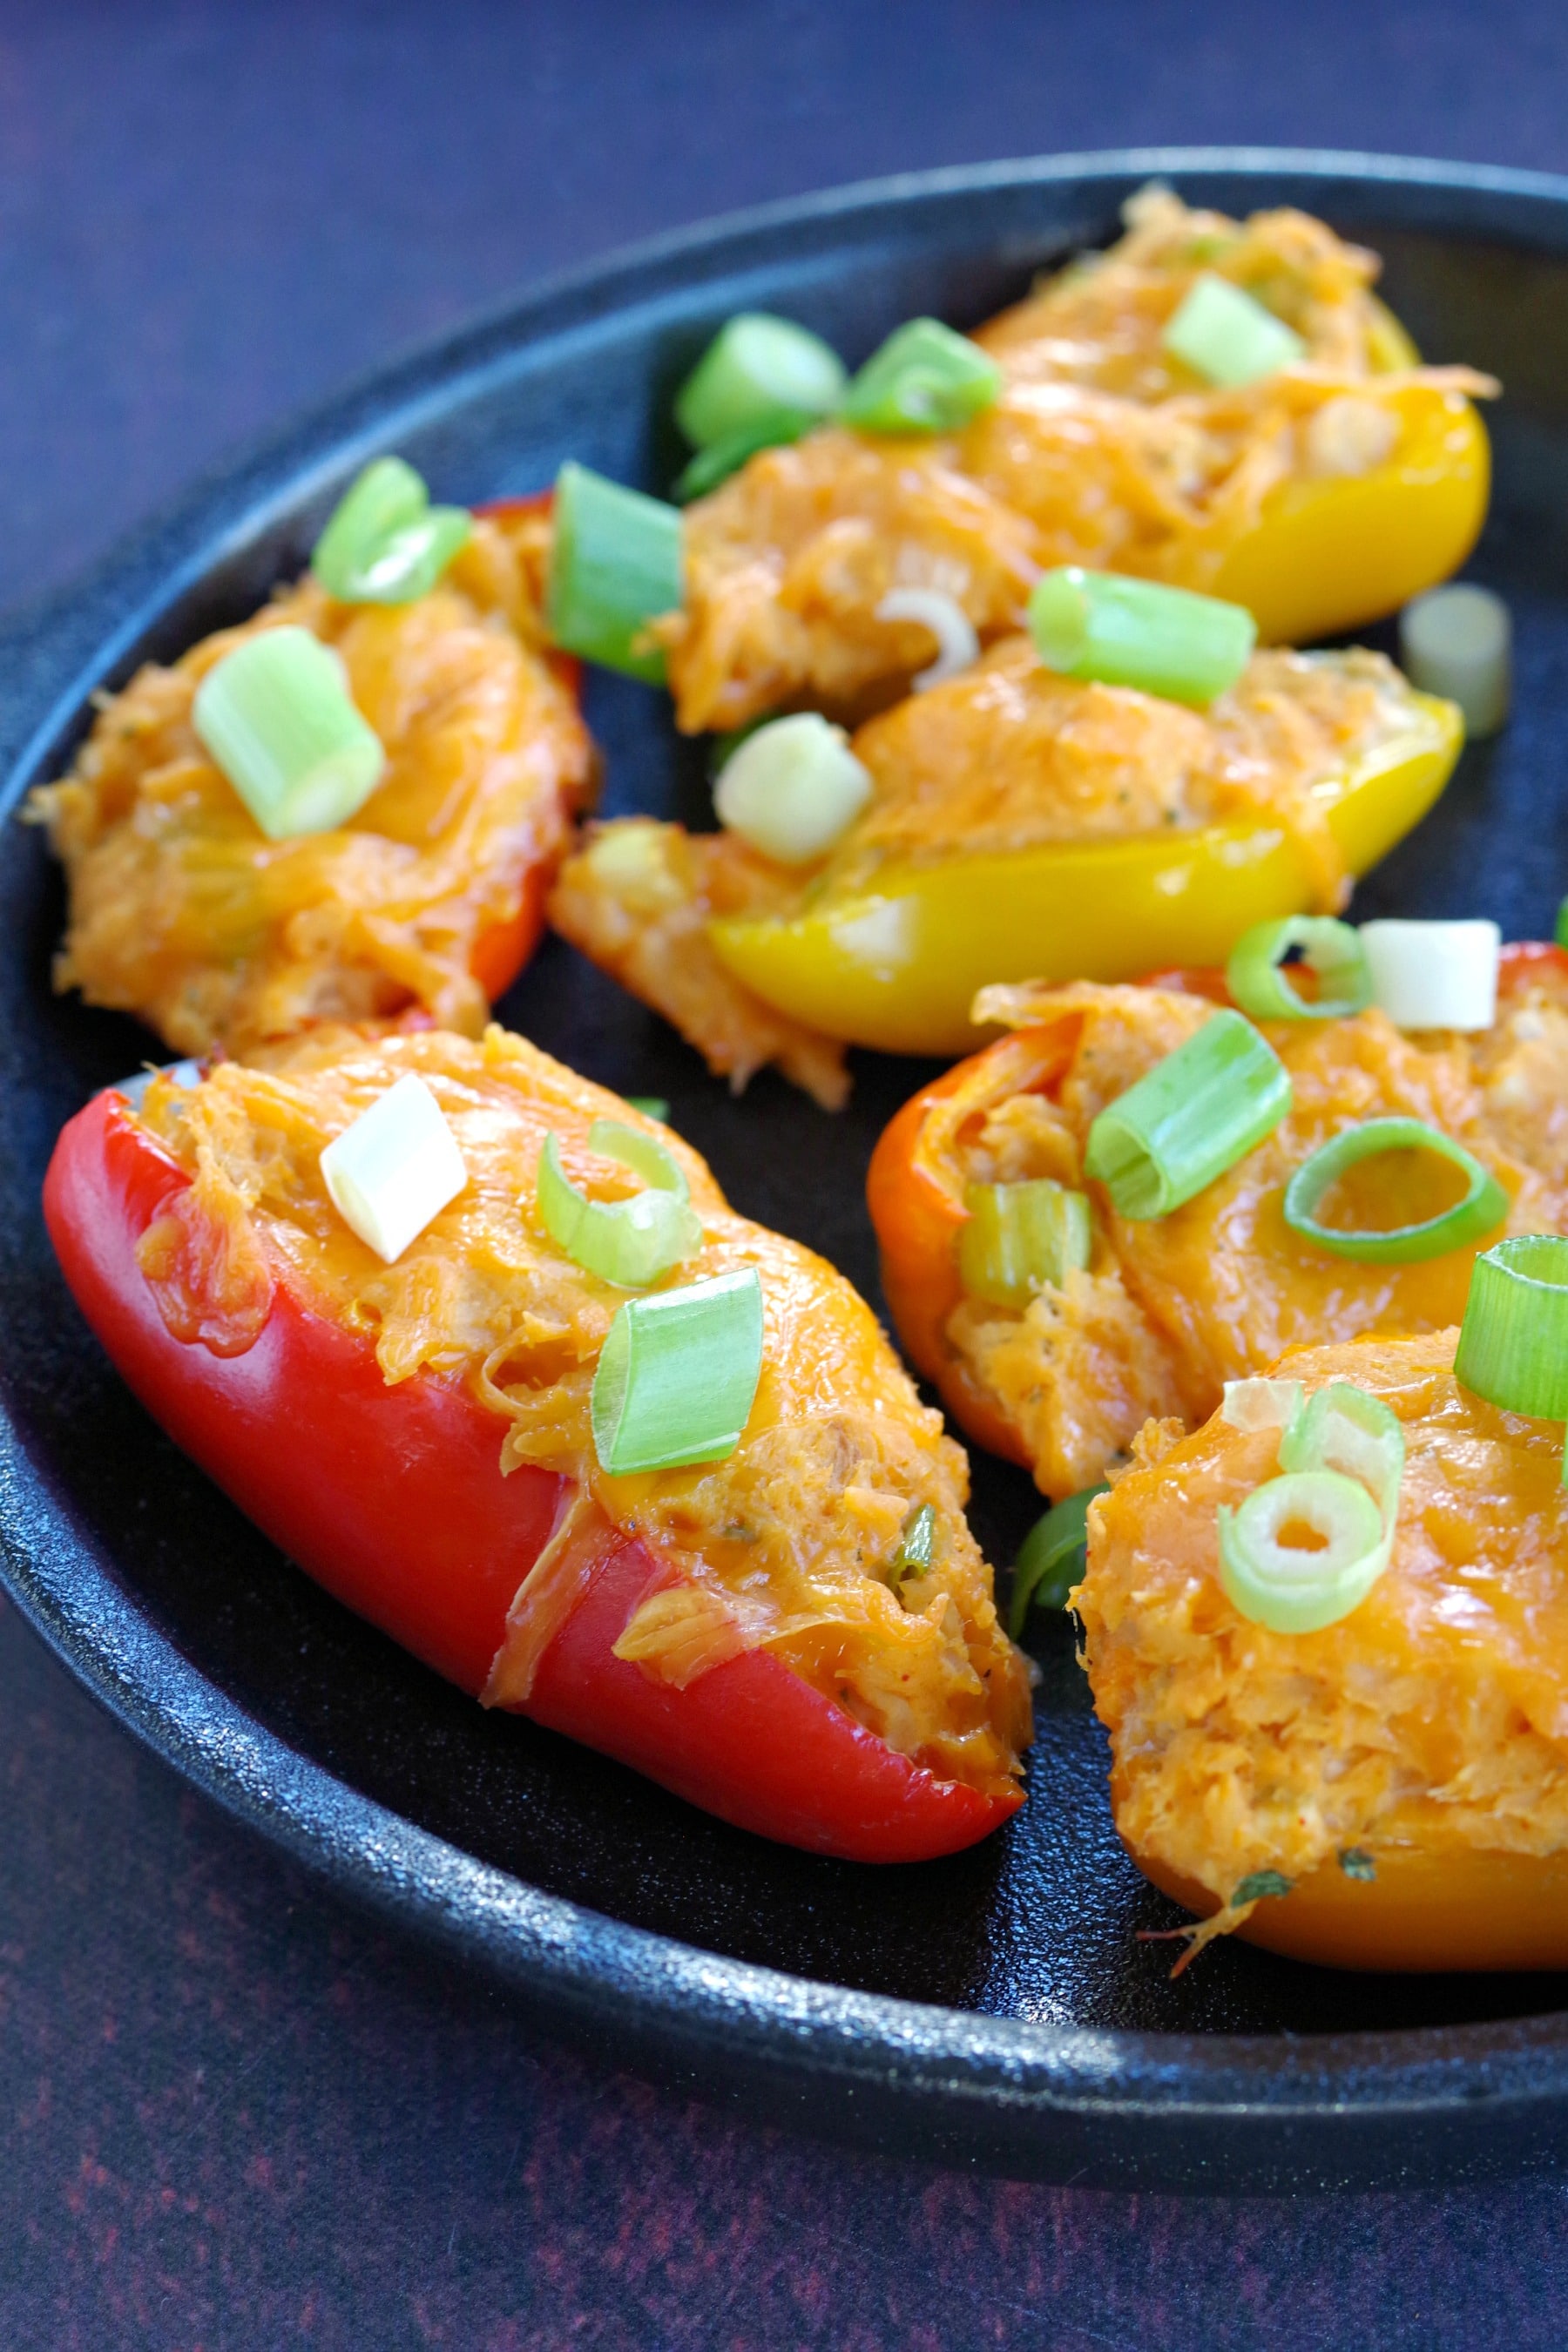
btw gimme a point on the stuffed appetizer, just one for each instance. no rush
(487, 1351)
(1220, 405)
(1130, 785)
(346, 808)
(1139, 1195)
(1328, 1634)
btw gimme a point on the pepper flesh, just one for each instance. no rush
(897, 963)
(392, 1499)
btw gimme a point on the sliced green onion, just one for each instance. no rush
(754, 366)
(723, 747)
(1347, 1429)
(615, 566)
(923, 379)
(677, 1374)
(957, 639)
(1480, 1209)
(1251, 1405)
(1434, 975)
(1189, 1118)
(385, 543)
(1560, 931)
(1513, 1342)
(1166, 641)
(277, 716)
(1224, 336)
(1332, 951)
(1051, 1559)
(917, 1548)
(1293, 1588)
(1021, 1238)
(792, 788)
(771, 430)
(394, 1168)
(1457, 641)
(630, 1243)
(651, 1105)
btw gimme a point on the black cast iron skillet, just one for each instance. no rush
(997, 2007)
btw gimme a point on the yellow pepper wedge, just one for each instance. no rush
(1327, 556)
(896, 966)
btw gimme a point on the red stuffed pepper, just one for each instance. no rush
(799, 1636)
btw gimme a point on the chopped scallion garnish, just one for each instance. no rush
(1020, 1239)
(1226, 337)
(394, 1169)
(1124, 632)
(1301, 1586)
(1307, 1546)
(1513, 1342)
(278, 718)
(1189, 1118)
(1434, 975)
(615, 566)
(923, 379)
(385, 543)
(792, 788)
(1260, 1404)
(918, 1547)
(677, 1374)
(1480, 1209)
(755, 366)
(1331, 952)
(1051, 1559)
(630, 1243)
(1458, 641)
(651, 1107)
(957, 639)
(772, 430)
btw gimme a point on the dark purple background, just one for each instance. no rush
(232, 2116)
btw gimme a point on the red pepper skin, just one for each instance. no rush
(392, 1499)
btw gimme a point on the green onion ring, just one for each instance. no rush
(1481, 1211)
(1329, 948)
(1289, 1589)
(630, 1242)
(1021, 1239)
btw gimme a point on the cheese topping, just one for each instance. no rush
(787, 1545)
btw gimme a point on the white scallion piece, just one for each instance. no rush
(957, 644)
(1434, 975)
(1226, 337)
(394, 1169)
(1459, 642)
(792, 788)
(1261, 1403)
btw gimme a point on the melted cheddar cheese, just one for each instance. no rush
(1172, 1308)
(1005, 757)
(1433, 1719)
(789, 1544)
(183, 912)
(1102, 450)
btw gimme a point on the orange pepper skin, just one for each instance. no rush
(1461, 1908)
(917, 1218)
(896, 966)
(1411, 523)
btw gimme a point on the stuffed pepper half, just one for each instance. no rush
(349, 806)
(1328, 1634)
(1037, 815)
(1140, 1194)
(486, 1350)
(1222, 405)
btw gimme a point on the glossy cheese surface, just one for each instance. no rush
(788, 1544)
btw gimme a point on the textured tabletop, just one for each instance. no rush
(232, 2115)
